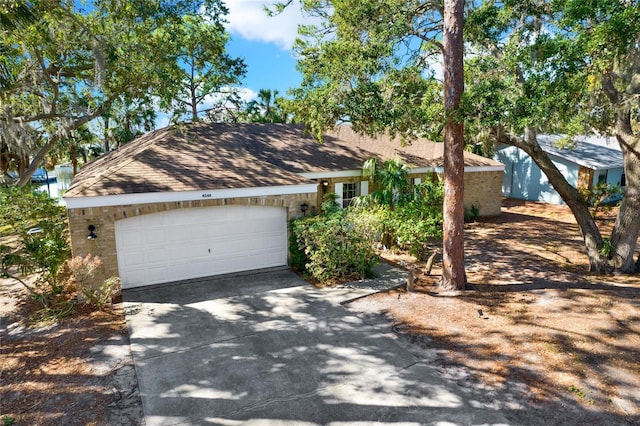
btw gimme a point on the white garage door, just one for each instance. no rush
(199, 242)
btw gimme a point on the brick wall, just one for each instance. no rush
(104, 218)
(483, 190)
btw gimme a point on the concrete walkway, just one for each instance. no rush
(271, 349)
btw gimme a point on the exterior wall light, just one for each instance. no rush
(92, 235)
(303, 208)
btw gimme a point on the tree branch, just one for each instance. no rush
(55, 138)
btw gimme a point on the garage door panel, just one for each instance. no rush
(133, 259)
(130, 223)
(190, 243)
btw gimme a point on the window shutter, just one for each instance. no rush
(338, 191)
(364, 187)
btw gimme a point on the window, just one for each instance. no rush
(602, 177)
(349, 192)
(623, 180)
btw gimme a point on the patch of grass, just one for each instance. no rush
(577, 391)
(552, 348)
(52, 314)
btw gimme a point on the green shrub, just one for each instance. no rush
(472, 214)
(341, 244)
(413, 229)
(330, 203)
(415, 225)
(101, 295)
(602, 196)
(37, 241)
(331, 248)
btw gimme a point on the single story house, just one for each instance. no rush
(585, 163)
(204, 199)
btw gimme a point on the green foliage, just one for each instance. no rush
(268, 108)
(330, 203)
(364, 64)
(198, 43)
(38, 241)
(417, 224)
(340, 244)
(332, 247)
(391, 179)
(600, 196)
(607, 247)
(72, 63)
(472, 214)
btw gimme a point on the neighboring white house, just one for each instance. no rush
(584, 164)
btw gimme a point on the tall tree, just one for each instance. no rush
(75, 146)
(70, 66)
(207, 70)
(523, 80)
(370, 63)
(125, 120)
(535, 69)
(453, 275)
(13, 15)
(608, 31)
(267, 108)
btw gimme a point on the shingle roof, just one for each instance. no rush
(583, 152)
(206, 156)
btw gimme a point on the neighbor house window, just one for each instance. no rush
(602, 177)
(623, 180)
(349, 192)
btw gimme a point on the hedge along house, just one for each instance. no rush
(203, 199)
(584, 164)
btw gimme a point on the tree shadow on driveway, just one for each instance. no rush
(286, 352)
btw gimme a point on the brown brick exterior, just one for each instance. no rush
(104, 219)
(482, 189)
(329, 188)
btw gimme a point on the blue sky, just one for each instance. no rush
(265, 44)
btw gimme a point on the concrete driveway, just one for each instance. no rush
(269, 348)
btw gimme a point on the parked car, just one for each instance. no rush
(40, 176)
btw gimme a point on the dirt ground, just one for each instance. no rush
(531, 318)
(78, 371)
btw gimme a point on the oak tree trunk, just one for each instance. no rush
(625, 232)
(588, 227)
(453, 275)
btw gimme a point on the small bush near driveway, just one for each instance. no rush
(333, 247)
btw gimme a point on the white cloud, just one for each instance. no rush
(247, 94)
(244, 93)
(249, 19)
